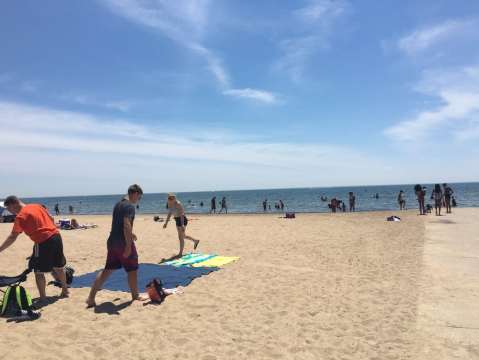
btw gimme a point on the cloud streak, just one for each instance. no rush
(458, 93)
(426, 38)
(185, 22)
(253, 94)
(312, 29)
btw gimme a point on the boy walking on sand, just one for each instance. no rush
(121, 247)
(35, 221)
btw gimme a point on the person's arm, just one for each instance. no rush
(9, 241)
(128, 232)
(167, 220)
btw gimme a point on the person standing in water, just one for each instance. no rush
(437, 195)
(213, 205)
(121, 246)
(176, 209)
(57, 209)
(401, 200)
(352, 202)
(223, 206)
(265, 204)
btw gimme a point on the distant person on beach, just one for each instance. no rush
(334, 204)
(265, 204)
(352, 202)
(176, 209)
(202, 204)
(281, 205)
(420, 192)
(437, 195)
(453, 201)
(344, 206)
(376, 196)
(57, 209)
(401, 200)
(121, 246)
(223, 205)
(70, 209)
(447, 197)
(35, 221)
(213, 205)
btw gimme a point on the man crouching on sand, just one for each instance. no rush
(121, 247)
(35, 221)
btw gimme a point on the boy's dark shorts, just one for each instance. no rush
(115, 259)
(48, 255)
(178, 221)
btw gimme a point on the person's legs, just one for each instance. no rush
(100, 279)
(181, 238)
(41, 285)
(61, 276)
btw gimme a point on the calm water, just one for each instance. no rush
(250, 201)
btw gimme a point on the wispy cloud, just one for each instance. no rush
(426, 38)
(183, 21)
(458, 92)
(254, 94)
(312, 29)
(118, 105)
(47, 129)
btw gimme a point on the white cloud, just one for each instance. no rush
(258, 95)
(183, 21)
(118, 105)
(312, 28)
(426, 38)
(44, 133)
(458, 92)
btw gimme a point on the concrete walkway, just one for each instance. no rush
(448, 309)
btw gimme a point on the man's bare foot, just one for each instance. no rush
(65, 294)
(196, 244)
(90, 303)
(140, 297)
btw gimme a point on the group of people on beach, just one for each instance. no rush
(48, 256)
(442, 196)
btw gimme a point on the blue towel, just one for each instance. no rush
(171, 276)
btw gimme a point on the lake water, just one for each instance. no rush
(250, 201)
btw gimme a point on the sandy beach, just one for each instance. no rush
(321, 286)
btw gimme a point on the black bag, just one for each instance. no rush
(69, 271)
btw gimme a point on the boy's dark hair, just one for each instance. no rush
(11, 200)
(135, 188)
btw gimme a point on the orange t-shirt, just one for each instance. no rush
(34, 220)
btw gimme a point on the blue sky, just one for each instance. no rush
(203, 95)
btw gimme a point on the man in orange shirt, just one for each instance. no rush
(35, 221)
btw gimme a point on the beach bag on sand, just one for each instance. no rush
(15, 300)
(155, 290)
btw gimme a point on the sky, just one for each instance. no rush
(193, 95)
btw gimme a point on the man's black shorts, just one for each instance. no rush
(48, 255)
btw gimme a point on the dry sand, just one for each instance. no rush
(322, 286)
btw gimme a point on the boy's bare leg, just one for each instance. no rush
(60, 272)
(133, 283)
(41, 285)
(100, 279)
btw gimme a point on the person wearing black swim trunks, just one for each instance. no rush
(121, 247)
(448, 197)
(176, 209)
(35, 221)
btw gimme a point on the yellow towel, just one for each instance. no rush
(216, 261)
